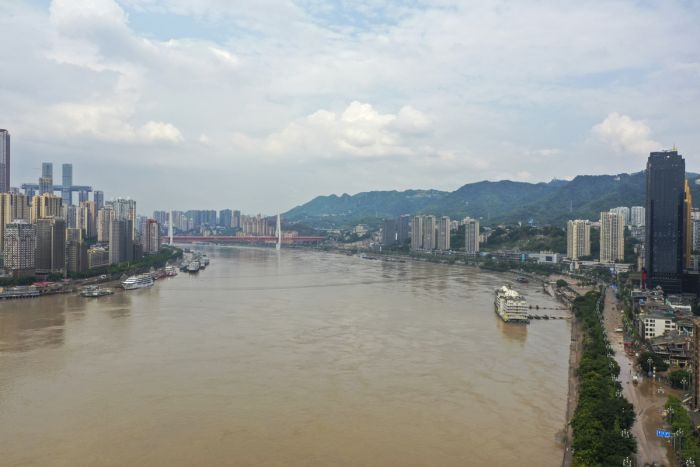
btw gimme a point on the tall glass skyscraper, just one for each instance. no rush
(666, 223)
(4, 161)
(67, 184)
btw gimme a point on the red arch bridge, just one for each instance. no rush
(242, 239)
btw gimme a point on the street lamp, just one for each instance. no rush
(649, 362)
(684, 382)
(669, 413)
(678, 434)
(689, 462)
(626, 462)
(626, 434)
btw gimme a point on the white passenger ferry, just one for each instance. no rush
(511, 306)
(138, 282)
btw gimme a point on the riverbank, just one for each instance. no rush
(572, 398)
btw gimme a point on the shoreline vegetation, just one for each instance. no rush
(603, 417)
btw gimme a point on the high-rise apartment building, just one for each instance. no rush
(83, 195)
(151, 236)
(97, 257)
(471, 236)
(20, 248)
(76, 251)
(666, 223)
(637, 216)
(417, 233)
(403, 229)
(236, 221)
(13, 206)
(99, 198)
(86, 219)
(105, 216)
(429, 229)
(612, 237)
(4, 161)
(46, 179)
(443, 233)
(67, 184)
(121, 244)
(50, 256)
(578, 238)
(46, 205)
(624, 211)
(226, 218)
(125, 209)
(389, 233)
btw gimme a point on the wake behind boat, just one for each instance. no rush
(511, 306)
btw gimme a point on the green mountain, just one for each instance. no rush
(504, 201)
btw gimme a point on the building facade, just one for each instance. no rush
(226, 218)
(417, 233)
(665, 220)
(50, 256)
(612, 237)
(151, 236)
(76, 251)
(471, 236)
(4, 161)
(20, 248)
(46, 205)
(13, 206)
(443, 233)
(637, 216)
(578, 238)
(403, 229)
(121, 244)
(429, 227)
(66, 184)
(389, 232)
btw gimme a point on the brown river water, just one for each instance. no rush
(294, 358)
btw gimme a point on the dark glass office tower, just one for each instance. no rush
(665, 220)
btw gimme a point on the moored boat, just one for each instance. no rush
(170, 271)
(193, 266)
(92, 291)
(511, 306)
(138, 282)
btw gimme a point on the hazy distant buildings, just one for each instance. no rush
(403, 229)
(121, 244)
(578, 239)
(99, 198)
(50, 256)
(236, 221)
(443, 233)
(389, 233)
(4, 161)
(46, 205)
(417, 233)
(20, 248)
(612, 237)
(637, 216)
(667, 222)
(471, 236)
(76, 251)
(13, 206)
(67, 184)
(97, 257)
(125, 209)
(86, 219)
(151, 236)
(46, 179)
(624, 211)
(226, 218)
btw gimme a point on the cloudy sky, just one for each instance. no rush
(262, 105)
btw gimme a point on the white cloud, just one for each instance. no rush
(359, 131)
(625, 134)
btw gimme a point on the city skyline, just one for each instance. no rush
(329, 101)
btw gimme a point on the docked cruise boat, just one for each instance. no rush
(511, 306)
(170, 271)
(138, 282)
(193, 266)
